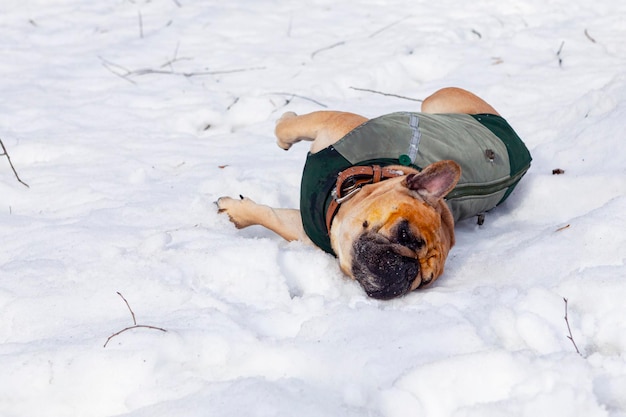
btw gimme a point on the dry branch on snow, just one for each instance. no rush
(6, 153)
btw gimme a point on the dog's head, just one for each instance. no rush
(394, 236)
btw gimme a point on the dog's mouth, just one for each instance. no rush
(384, 269)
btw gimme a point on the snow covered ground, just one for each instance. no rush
(128, 118)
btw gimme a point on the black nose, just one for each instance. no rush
(381, 270)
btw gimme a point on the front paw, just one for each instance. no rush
(238, 210)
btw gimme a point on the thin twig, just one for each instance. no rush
(134, 326)
(174, 59)
(386, 94)
(379, 31)
(570, 337)
(230, 106)
(299, 96)
(6, 153)
(111, 65)
(326, 48)
(132, 313)
(137, 326)
(558, 54)
(125, 73)
(219, 72)
(145, 71)
(589, 36)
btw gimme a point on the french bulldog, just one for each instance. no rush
(383, 195)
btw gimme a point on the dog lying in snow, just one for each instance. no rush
(383, 194)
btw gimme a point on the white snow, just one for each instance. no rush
(129, 118)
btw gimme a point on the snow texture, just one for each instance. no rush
(129, 118)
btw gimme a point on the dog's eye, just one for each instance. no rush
(405, 237)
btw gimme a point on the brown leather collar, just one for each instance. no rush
(351, 180)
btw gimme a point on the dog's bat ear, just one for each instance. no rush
(435, 181)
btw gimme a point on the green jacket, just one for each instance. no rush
(492, 158)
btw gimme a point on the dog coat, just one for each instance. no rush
(492, 157)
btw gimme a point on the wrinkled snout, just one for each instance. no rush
(381, 268)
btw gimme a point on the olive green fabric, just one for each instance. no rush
(492, 159)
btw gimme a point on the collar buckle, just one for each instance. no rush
(350, 181)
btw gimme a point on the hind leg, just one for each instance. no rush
(456, 100)
(322, 127)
